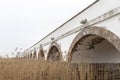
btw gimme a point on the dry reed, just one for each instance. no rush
(27, 69)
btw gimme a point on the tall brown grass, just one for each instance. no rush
(27, 69)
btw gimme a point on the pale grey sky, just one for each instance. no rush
(25, 22)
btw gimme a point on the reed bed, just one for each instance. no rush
(31, 69)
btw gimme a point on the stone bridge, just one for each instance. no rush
(92, 35)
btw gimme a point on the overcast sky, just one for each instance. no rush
(25, 22)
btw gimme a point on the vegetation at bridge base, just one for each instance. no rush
(28, 69)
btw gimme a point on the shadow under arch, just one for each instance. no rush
(34, 54)
(54, 52)
(30, 54)
(89, 33)
(41, 55)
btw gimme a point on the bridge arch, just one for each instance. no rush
(54, 52)
(30, 54)
(41, 54)
(34, 54)
(94, 45)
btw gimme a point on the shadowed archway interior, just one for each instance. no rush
(30, 55)
(94, 49)
(41, 54)
(34, 54)
(54, 54)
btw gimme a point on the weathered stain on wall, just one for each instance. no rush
(108, 44)
(104, 18)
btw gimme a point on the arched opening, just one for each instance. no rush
(41, 54)
(95, 45)
(30, 55)
(34, 54)
(94, 49)
(54, 53)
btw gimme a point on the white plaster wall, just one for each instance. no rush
(46, 48)
(99, 8)
(65, 44)
(112, 24)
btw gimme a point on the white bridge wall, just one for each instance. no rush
(99, 8)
